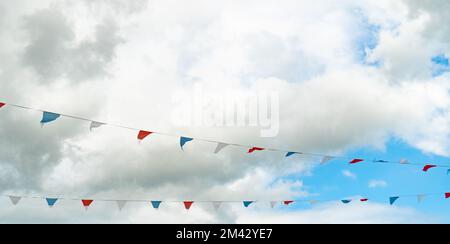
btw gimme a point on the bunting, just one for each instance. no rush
(87, 203)
(356, 161)
(51, 202)
(95, 125)
(156, 204)
(48, 117)
(289, 154)
(143, 134)
(247, 204)
(121, 204)
(254, 149)
(287, 203)
(188, 205)
(421, 198)
(326, 159)
(217, 205)
(220, 147)
(184, 140)
(15, 200)
(428, 167)
(392, 200)
(404, 161)
(273, 204)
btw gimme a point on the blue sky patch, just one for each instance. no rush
(440, 65)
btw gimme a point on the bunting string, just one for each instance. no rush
(188, 204)
(142, 134)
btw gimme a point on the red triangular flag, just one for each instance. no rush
(87, 203)
(188, 205)
(143, 134)
(428, 167)
(254, 149)
(287, 203)
(2, 104)
(355, 161)
(447, 195)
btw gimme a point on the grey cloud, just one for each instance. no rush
(119, 6)
(53, 52)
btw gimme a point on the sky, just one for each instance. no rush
(360, 78)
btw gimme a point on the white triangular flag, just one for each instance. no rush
(121, 204)
(313, 202)
(220, 147)
(217, 205)
(273, 204)
(326, 159)
(95, 125)
(404, 161)
(420, 198)
(15, 200)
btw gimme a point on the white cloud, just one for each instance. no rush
(377, 184)
(349, 174)
(338, 214)
(330, 100)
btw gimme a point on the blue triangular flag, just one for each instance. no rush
(248, 203)
(51, 201)
(346, 201)
(156, 204)
(184, 140)
(290, 154)
(392, 200)
(48, 117)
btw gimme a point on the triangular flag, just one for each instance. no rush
(392, 200)
(420, 198)
(287, 203)
(248, 203)
(254, 149)
(273, 204)
(48, 117)
(156, 204)
(404, 161)
(188, 205)
(15, 200)
(217, 205)
(313, 202)
(95, 125)
(326, 159)
(355, 161)
(381, 161)
(220, 147)
(121, 204)
(447, 195)
(51, 202)
(2, 104)
(87, 203)
(143, 134)
(346, 201)
(290, 154)
(428, 167)
(184, 140)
